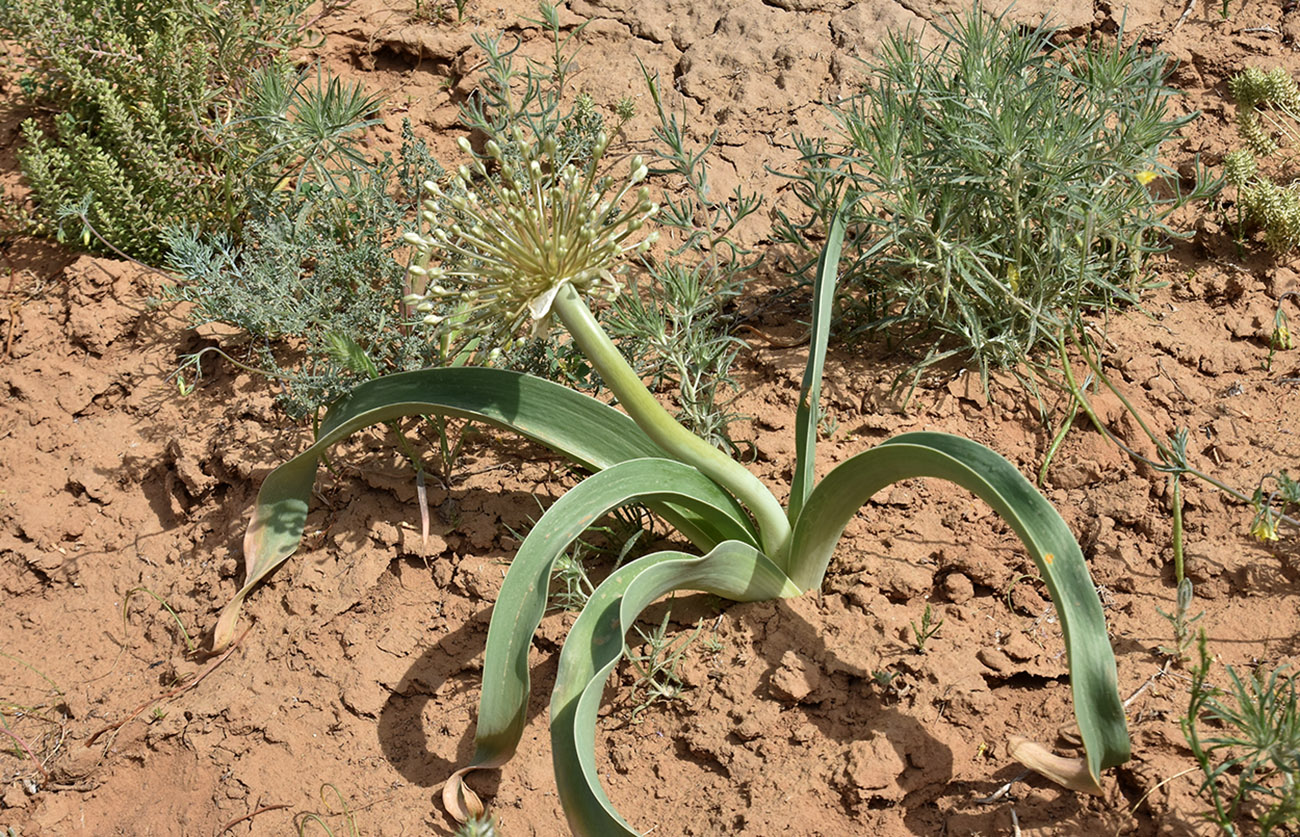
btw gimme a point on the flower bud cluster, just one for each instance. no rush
(1254, 88)
(500, 244)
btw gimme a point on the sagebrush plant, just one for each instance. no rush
(1268, 110)
(1012, 187)
(673, 321)
(315, 283)
(1009, 187)
(548, 251)
(141, 92)
(1246, 740)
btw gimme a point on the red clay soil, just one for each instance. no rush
(357, 683)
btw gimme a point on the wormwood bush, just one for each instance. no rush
(141, 89)
(1005, 182)
(316, 284)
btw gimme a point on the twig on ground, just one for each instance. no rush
(1002, 791)
(237, 820)
(26, 749)
(184, 687)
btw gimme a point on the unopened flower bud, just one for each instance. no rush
(1282, 337)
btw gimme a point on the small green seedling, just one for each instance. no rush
(126, 603)
(345, 812)
(926, 631)
(1181, 622)
(655, 666)
(479, 826)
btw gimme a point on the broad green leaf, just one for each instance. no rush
(1093, 678)
(594, 646)
(522, 600)
(590, 433)
(805, 421)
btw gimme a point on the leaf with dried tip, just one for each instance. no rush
(1072, 773)
(589, 432)
(1051, 545)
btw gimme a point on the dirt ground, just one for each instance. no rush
(358, 682)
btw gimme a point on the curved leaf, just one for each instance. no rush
(585, 430)
(1093, 678)
(594, 646)
(522, 600)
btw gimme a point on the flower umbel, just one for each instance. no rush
(504, 242)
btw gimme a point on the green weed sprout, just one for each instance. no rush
(926, 630)
(1252, 766)
(533, 244)
(478, 826)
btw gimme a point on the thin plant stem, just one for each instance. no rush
(1182, 468)
(1177, 534)
(25, 748)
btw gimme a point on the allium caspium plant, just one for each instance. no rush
(537, 245)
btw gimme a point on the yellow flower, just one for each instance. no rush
(1264, 527)
(1146, 176)
(1282, 337)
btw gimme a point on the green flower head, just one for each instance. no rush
(501, 243)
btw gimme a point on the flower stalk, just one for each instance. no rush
(523, 243)
(666, 432)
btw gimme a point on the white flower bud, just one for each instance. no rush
(639, 170)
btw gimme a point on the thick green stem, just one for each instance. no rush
(660, 426)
